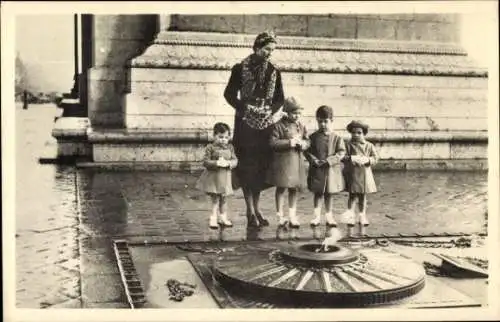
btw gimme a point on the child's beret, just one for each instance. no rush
(291, 105)
(357, 124)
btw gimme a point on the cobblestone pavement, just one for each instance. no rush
(47, 256)
(159, 204)
(148, 206)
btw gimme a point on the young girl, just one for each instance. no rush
(219, 160)
(325, 169)
(360, 156)
(287, 170)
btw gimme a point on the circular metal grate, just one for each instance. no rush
(301, 276)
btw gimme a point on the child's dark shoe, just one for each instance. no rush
(252, 220)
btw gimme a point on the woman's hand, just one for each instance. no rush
(319, 163)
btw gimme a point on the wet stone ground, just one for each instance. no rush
(66, 218)
(47, 254)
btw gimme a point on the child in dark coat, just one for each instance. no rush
(325, 168)
(287, 171)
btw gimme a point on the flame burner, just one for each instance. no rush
(301, 276)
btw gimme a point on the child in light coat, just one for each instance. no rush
(361, 155)
(219, 160)
(287, 171)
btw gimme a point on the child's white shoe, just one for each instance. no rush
(330, 221)
(282, 220)
(348, 217)
(213, 222)
(294, 222)
(363, 220)
(223, 221)
(316, 221)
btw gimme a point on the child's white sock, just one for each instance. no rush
(213, 221)
(293, 217)
(363, 220)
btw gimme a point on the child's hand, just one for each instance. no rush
(222, 163)
(355, 159)
(364, 160)
(303, 145)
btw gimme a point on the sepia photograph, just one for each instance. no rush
(333, 157)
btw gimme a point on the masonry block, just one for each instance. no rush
(376, 29)
(147, 152)
(469, 151)
(175, 98)
(286, 25)
(106, 98)
(137, 27)
(216, 23)
(116, 52)
(334, 26)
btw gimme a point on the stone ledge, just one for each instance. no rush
(66, 128)
(387, 164)
(114, 136)
(68, 102)
(308, 61)
(191, 50)
(428, 136)
(310, 43)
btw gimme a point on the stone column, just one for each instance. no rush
(116, 40)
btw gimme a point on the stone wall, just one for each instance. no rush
(424, 101)
(408, 27)
(411, 117)
(173, 98)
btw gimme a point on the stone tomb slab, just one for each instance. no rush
(191, 263)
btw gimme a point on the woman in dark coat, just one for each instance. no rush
(260, 90)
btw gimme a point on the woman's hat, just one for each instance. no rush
(291, 105)
(357, 124)
(263, 39)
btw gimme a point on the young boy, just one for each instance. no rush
(325, 169)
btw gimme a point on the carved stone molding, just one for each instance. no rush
(308, 43)
(300, 54)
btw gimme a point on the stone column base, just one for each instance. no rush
(71, 136)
